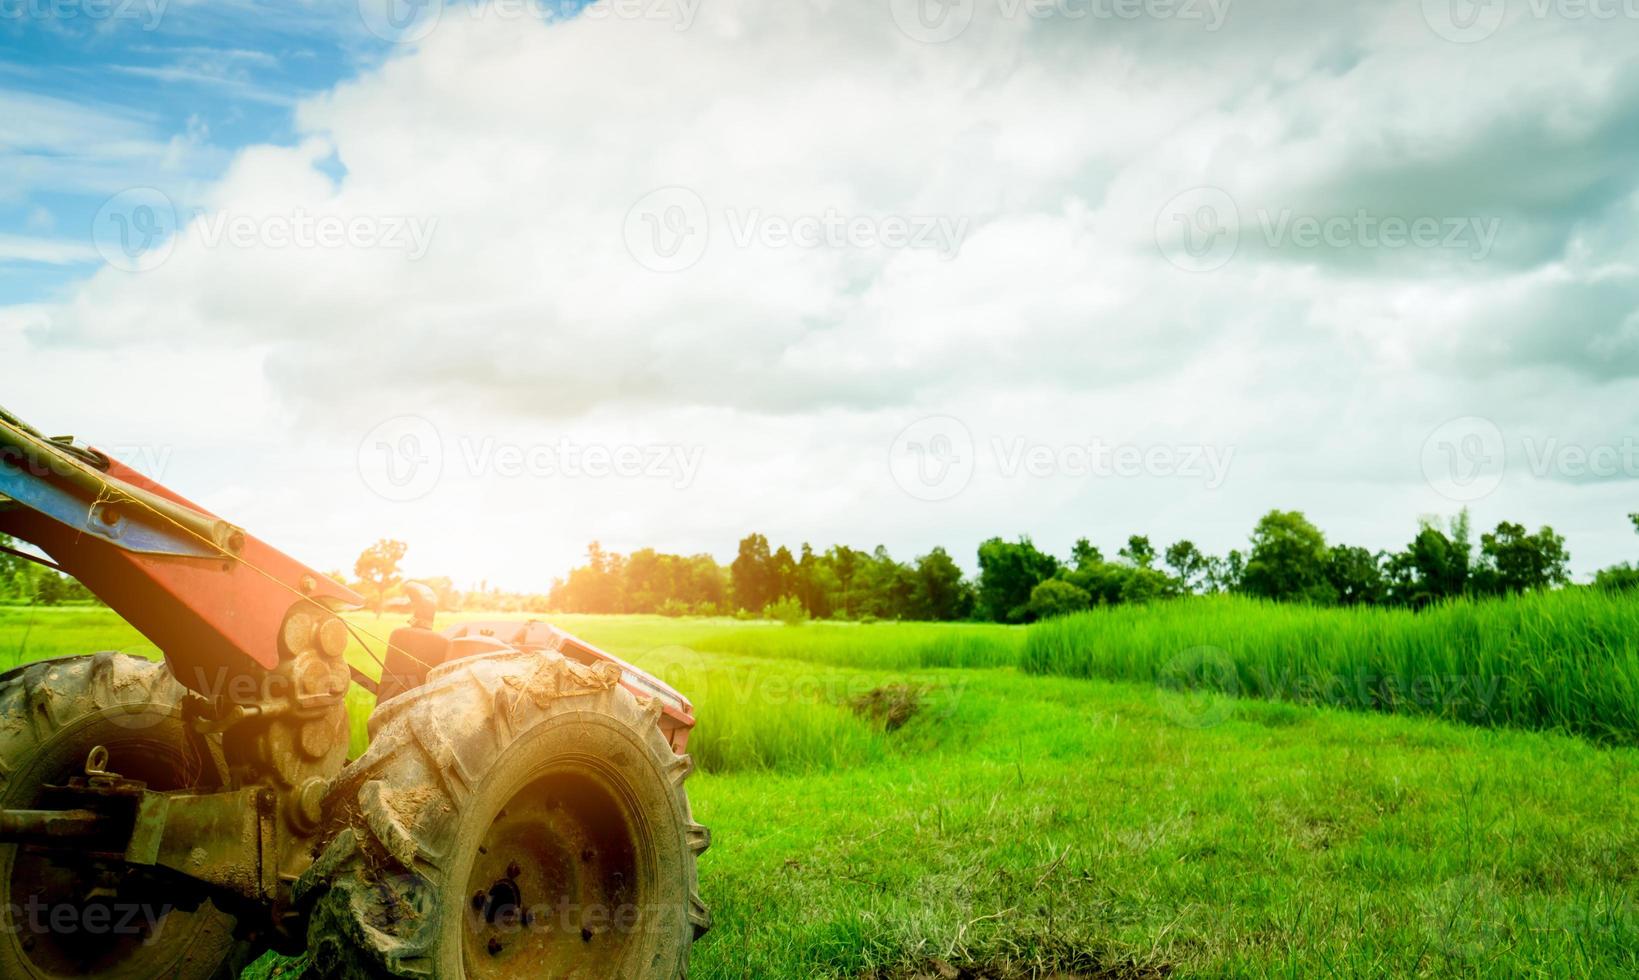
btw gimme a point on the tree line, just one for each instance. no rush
(26, 583)
(840, 582)
(1287, 559)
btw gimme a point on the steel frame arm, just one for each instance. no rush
(209, 595)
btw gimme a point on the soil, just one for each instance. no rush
(892, 705)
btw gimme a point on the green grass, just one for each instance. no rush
(1566, 661)
(771, 717)
(779, 695)
(888, 646)
(1118, 828)
(29, 633)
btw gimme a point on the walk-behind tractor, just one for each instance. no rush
(520, 811)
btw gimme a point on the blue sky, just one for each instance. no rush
(104, 95)
(162, 96)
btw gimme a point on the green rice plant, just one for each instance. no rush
(757, 715)
(795, 735)
(1566, 660)
(30, 633)
(876, 646)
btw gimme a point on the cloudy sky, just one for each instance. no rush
(503, 278)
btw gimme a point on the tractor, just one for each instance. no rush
(520, 810)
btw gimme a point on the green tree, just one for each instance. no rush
(9, 564)
(815, 582)
(752, 574)
(75, 591)
(1512, 560)
(648, 579)
(1224, 574)
(1141, 585)
(845, 563)
(597, 586)
(1400, 578)
(705, 584)
(883, 588)
(1440, 562)
(1355, 576)
(1084, 556)
(941, 592)
(1462, 537)
(1288, 560)
(1008, 572)
(788, 610)
(1139, 551)
(782, 572)
(1623, 577)
(1188, 564)
(49, 591)
(1056, 597)
(377, 568)
(602, 582)
(1617, 578)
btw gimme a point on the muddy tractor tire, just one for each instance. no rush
(519, 815)
(65, 918)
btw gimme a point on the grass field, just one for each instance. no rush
(1026, 823)
(1566, 660)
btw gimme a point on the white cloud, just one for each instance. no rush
(1058, 321)
(17, 248)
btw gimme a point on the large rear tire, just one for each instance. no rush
(519, 815)
(63, 920)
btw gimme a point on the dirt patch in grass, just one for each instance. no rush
(890, 706)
